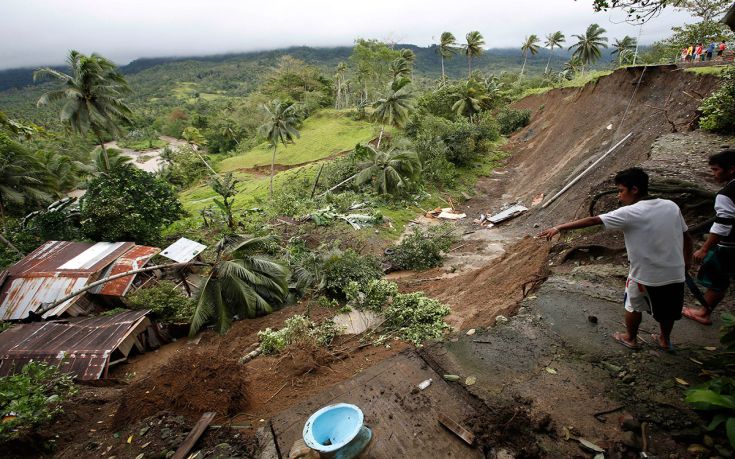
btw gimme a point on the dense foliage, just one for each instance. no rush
(165, 300)
(718, 110)
(128, 205)
(297, 330)
(510, 120)
(32, 397)
(341, 268)
(422, 250)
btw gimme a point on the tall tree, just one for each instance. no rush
(587, 48)
(92, 94)
(446, 49)
(473, 48)
(339, 79)
(553, 40)
(530, 45)
(394, 108)
(240, 282)
(470, 99)
(280, 127)
(622, 47)
(226, 188)
(643, 10)
(410, 58)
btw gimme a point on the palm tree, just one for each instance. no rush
(394, 108)
(587, 48)
(240, 282)
(623, 47)
(446, 49)
(230, 131)
(530, 45)
(410, 58)
(226, 187)
(389, 171)
(21, 176)
(60, 172)
(106, 161)
(280, 127)
(470, 99)
(553, 40)
(93, 95)
(399, 68)
(473, 48)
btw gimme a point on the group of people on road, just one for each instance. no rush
(698, 52)
(661, 251)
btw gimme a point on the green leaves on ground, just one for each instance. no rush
(168, 303)
(297, 330)
(32, 397)
(422, 250)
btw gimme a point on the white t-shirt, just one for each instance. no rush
(653, 230)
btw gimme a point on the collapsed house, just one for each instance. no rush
(82, 346)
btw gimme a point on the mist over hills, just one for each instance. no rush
(428, 62)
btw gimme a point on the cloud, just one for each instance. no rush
(40, 32)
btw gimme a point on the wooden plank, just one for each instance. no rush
(458, 430)
(194, 435)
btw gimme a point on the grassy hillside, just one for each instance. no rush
(322, 135)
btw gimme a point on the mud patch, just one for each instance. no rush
(478, 296)
(189, 385)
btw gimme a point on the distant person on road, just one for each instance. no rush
(684, 54)
(698, 52)
(721, 49)
(690, 53)
(711, 50)
(659, 249)
(718, 252)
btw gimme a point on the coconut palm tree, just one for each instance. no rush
(388, 171)
(240, 282)
(473, 48)
(553, 40)
(394, 108)
(446, 49)
(623, 47)
(21, 176)
(399, 68)
(93, 94)
(410, 58)
(280, 127)
(530, 45)
(106, 161)
(587, 48)
(470, 99)
(60, 172)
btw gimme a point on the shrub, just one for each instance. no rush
(184, 166)
(415, 317)
(344, 267)
(298, 330)
(421, 250)
(510, 120)
(167, 302)
(718, 110)
(372, 296)
(128, 204)
(437, 169)
(32, 397)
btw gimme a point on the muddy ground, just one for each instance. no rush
(540, 352)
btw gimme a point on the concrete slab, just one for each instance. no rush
(404, 420)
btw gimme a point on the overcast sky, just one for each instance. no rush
(40, 32)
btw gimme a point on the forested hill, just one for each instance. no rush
(241, 66)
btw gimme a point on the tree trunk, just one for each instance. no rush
(469, 67)
(380, 137)
(444, 77)
(273, 168)
(104, 152)
(549, 61)
(525, 58)
(316, 181)
(10, 245)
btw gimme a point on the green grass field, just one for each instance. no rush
(712, 70)
(322, 135)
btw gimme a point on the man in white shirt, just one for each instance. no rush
(659, 250)
(717, 254)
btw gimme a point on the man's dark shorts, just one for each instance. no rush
(666, 301)
(718, 268)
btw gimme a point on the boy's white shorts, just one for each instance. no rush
(636, 297)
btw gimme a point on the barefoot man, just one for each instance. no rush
(659, 250)
(718, 252)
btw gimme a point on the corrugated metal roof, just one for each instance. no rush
(134, 258)
(58, 268)
(82, 347)
(183, 250)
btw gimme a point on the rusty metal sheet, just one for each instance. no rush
(22, 295)
(135, 258)
(82, 347)
(68, 258)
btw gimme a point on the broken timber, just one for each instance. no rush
(584, 172)
(456, 429)
(194, 435)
